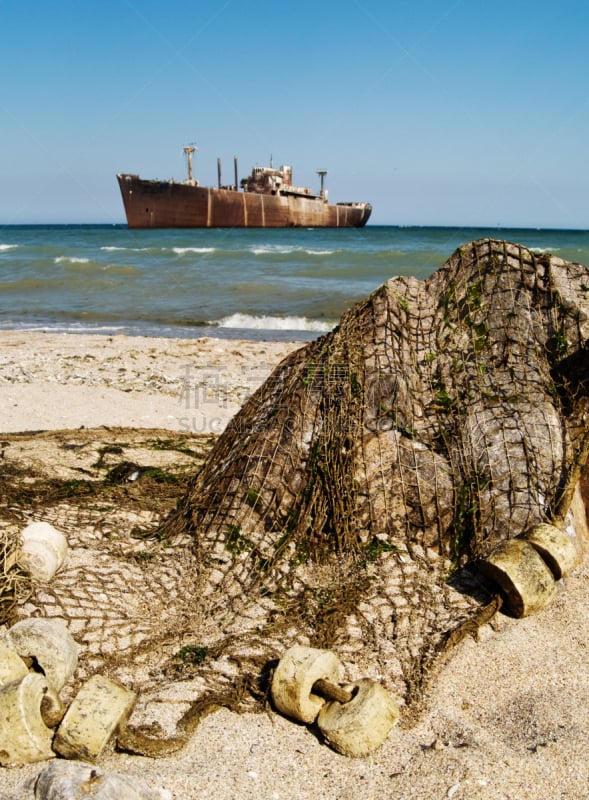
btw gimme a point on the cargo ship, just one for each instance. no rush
(267, 198)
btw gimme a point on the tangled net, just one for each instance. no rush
(15, 582)
(346, 504)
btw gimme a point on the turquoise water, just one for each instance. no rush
(273, 284)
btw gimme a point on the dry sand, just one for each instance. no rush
(508, 716)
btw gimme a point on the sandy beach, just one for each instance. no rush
(507, 718)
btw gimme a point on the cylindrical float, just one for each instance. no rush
(43, 550)
(97, 711)
(50, 644)
(24, 736)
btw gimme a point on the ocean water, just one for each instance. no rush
(254, 284)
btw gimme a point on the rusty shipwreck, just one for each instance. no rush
(267, 198)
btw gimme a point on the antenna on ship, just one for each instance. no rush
(188, 151)
(322, 173)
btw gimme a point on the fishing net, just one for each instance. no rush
(346, 504)
(15, 582)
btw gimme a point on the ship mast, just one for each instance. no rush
(188, 151)
(322, 173)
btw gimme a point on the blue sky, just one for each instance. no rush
(451, 112)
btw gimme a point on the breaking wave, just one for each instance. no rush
(112, 248)
(278, 249)
(250, 322)
(180, 251)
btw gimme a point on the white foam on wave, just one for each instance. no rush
(247, 321)
(180, 251)
(71, 260)
(280, 249)
(8, 246)
(111, 248)
(71, 327)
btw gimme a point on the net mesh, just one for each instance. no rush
(346, 504)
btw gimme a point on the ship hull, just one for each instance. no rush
(167, 204)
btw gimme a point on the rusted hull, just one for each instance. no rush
(163, 204)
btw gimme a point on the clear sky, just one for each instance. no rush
(451, 112)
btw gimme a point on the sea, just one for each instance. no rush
(270, 284)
